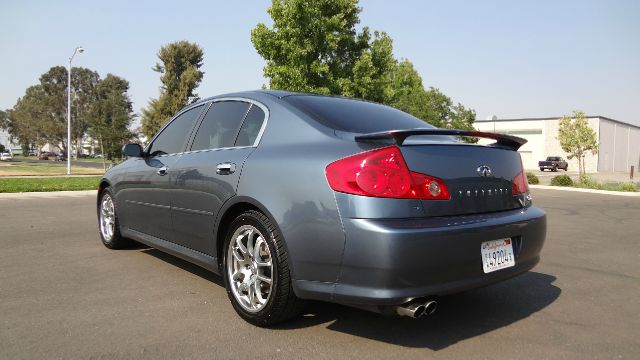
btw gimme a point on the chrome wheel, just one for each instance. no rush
(249, 268)
(107, 218)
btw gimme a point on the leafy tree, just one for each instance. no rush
(180, 76)
(110, 116)
(53, 104)
(29, 119)
(577, 138)
(52, 118)
(83, 96)
(407, 93)
(314, 47)
(4, 119)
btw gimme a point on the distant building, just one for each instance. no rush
(5, 139)
(619, 142)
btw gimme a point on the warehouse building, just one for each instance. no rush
(619, 142)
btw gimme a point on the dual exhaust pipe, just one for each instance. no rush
(417, 309)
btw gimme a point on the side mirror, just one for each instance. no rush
(132, 150)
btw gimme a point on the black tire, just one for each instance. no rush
(282, 303)
(542, 169)
(554, 169)
(116, 241)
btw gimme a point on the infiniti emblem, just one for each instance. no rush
(484, 171)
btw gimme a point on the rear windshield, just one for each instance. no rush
(354, 115)
(553, 158)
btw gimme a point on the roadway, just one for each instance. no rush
(63, 295)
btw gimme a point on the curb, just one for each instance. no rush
(592, 191)
(48, 194)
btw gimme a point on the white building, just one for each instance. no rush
(619, 142)
(5, 139)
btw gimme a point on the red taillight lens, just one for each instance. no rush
(383, 173)
(520, 184)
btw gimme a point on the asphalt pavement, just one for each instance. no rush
(63, 295)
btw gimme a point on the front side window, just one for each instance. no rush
(219, 127)
(173, 138)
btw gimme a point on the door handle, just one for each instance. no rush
(225, 168)
(162, 171)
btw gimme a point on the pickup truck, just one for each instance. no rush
(553, 163)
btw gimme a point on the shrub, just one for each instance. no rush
(532, 179)
(561, 180)
(589, 183)
(629, 187)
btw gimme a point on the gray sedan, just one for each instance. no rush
(294, 197)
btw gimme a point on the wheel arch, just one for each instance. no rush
(230, 210)
(104, 183)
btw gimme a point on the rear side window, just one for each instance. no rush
(250, 127)
(354, 115)
(173, 138)
(220, 125)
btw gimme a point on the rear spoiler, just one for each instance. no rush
(398, 137)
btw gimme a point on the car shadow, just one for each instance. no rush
(459, 317)
(185, 265)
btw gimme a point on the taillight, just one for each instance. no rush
(383, 173)
(520, 184)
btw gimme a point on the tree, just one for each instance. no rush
(83, 96)
(4, 119)
(29, 120)
(577, 138)
(314, 47)
(110, 115)
(181, 75)
(407, 93)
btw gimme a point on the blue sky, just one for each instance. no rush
(508, 58)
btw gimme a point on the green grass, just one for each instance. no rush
(13, 185)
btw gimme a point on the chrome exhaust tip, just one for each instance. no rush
(417, 309)
(430, 307)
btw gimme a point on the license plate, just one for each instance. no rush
(497, 254)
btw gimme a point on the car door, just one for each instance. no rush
(147, 206)
(207, 176)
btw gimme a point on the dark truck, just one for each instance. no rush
(553, 163)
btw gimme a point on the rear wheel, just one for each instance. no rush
(542, 169)
(256, 271)
(108, 222)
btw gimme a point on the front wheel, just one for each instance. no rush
(256, 271)
(108, 222)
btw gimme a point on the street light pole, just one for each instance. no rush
(79, 49)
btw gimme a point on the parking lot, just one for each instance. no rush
(63, 295)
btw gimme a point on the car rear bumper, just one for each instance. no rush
(391, 262)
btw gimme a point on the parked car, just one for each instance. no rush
(5, 156)
(294, 196)
(61, 157)
(46, 155)
(553, 163)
